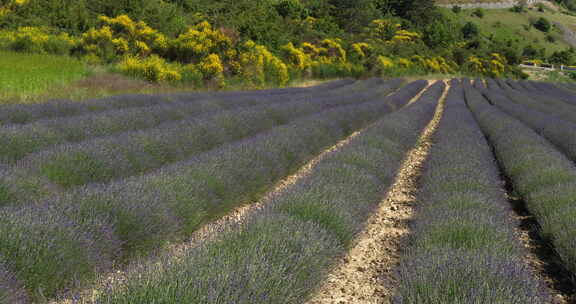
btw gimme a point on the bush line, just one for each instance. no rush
(281, 253)
(97, 224)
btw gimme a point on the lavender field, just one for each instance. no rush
(262, 196)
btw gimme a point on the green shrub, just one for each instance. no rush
(543, 25)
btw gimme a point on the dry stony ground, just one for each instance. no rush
(365, 274)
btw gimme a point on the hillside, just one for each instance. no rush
(504, 24)
(261, 44)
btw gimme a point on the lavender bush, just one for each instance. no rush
(281, 253)
(543, 104)
(462, 248)
(558, 131)
(10, 291)
(541, 175)
(132, 153)
(138, 214)
(20, 113)
(16, 141)
(479, 84)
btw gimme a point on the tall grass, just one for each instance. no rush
(25, 75)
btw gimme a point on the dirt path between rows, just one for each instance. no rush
(365, 275)
(540, 255)
(211, 229)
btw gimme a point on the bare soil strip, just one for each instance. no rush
(365, 275)
(540, 255)
(430, 83)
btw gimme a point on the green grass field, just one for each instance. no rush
(505, 24)
(22, 76)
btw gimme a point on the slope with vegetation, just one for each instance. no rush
(254, 43)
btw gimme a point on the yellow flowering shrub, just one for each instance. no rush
(259, 66)
(331, 49)
(297, 58)
(388, 31)
(11, 6)
(37, 40)
(198, 42)
(404, 63)
(212, 68)
(495, 66)
(475, 65)
(121, 36)
(152, 68)
(359, 51)
(404, 35)
(310, 49)
(384, 63)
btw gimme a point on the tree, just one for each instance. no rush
(470, 30)
(562, 57)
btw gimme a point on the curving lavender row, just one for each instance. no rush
(543, 177)
(281, 253)
(16, 141)
(462, 248)
(543, 104)
(548, 90)
(479, 84)
(105, 159)
(21, 113)
(558, 131)
(57, 244)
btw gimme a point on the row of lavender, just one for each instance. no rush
(462, 247)
(544, 177)
(18, 140)
(22, 113)
(64, 242)
(132, 153)
(282, 252)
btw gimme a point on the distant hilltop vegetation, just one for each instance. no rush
(487, 4)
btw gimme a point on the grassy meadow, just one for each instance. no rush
(504, 24)
(22, 76)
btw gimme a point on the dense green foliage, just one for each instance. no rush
(259, 42)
